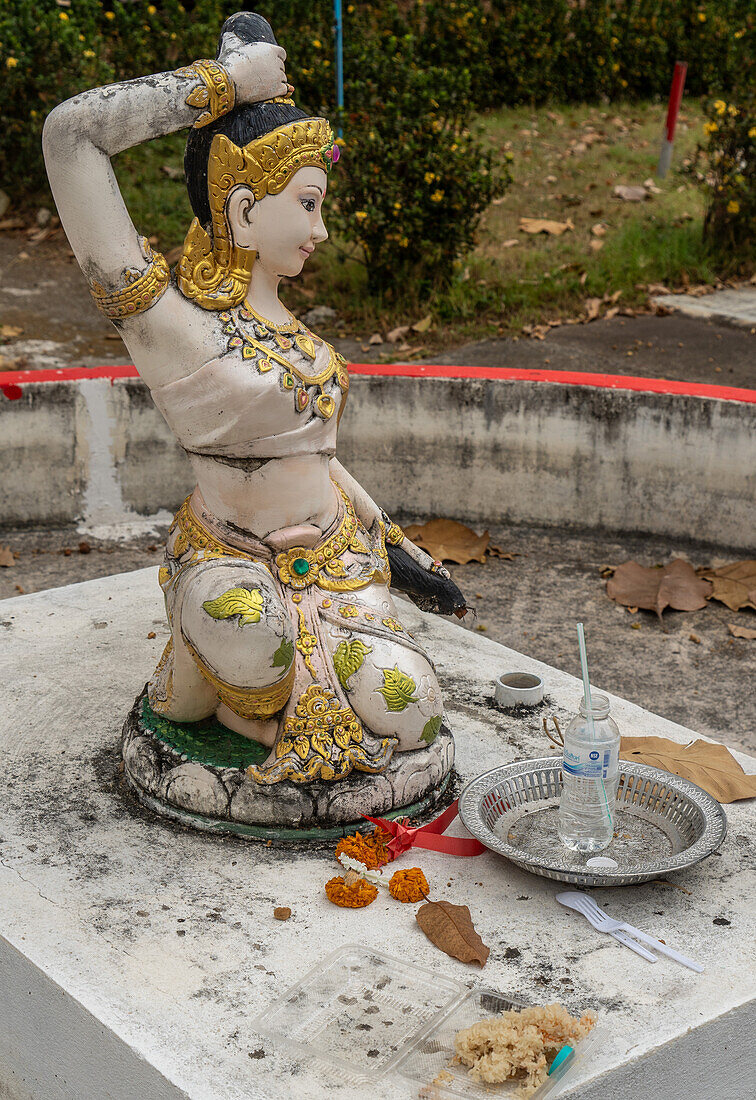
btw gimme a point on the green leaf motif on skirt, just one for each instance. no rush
(398, 689)
(284, 655)
(431, 729)
(348, 658)
(247, 603)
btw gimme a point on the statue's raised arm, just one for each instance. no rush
(126, 277)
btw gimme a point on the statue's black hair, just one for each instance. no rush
(242, 125)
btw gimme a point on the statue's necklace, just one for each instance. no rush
(296, 378)
(247, 313)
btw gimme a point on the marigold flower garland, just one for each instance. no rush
(370, 850)
(409, 884)
(363, 856)
(350, 892)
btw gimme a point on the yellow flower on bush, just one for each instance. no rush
(110, 15)
(710, 127)
(702, 17)
(151, 9)
(360, 215)
(63, 15)
(89, 53)
(720, 106)
(11, 62)
(733, 207)
(404, 242)
(752, 132)
(317, 44)
(732, 111)
(437, 196)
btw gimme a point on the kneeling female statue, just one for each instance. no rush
(287, 653)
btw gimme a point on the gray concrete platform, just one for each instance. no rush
(134, 954)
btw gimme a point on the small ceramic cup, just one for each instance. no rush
(518, 687)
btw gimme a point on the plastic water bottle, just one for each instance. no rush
(590, 774)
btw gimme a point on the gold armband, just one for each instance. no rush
(216, 93)
(140, 291)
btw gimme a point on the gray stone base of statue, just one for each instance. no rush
(196, 773)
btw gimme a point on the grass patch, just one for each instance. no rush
(566, 164)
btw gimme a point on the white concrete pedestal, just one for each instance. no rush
(133, 952)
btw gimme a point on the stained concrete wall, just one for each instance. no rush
(485, 451)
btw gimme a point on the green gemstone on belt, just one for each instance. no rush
(301, 566)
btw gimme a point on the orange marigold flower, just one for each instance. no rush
(356, 896)
(409, 885)
(370, 850)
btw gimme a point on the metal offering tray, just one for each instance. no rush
(663, 823)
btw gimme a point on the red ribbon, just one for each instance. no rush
(428, 836)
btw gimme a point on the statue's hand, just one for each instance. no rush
(425, 561)
(257, 69)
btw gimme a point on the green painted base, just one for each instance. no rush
(205, 742)
(279, 835)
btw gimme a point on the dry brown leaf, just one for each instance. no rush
(450, 927)
(676, 586)
(397, 334)
(592, 308)
(6, 557)
(9, 332)
(630, 194)
(734, 629)
(282, 912)
(498, 552)
(710, 766)
(543, 225)
(510, 242)
(733, 584)
(448, 540)
(598, 230)
(375, 339)
(596, 246)
(423, 325)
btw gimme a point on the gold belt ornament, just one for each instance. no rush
(300, 566)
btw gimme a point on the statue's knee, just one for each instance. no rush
(235, 624)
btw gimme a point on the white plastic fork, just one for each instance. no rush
(600, 920)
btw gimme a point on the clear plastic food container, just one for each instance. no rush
(364, 1015)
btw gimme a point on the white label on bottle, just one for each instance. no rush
(586, 762)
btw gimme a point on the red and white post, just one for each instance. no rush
(673, 110)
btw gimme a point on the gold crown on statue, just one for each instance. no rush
(213, 271)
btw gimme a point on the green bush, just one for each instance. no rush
(725, 165)
(45, 54)
(413, 179)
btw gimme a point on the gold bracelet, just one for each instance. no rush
(395, 535)
(216, 92)
(140, 292)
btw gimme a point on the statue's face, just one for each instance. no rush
(283, 229)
